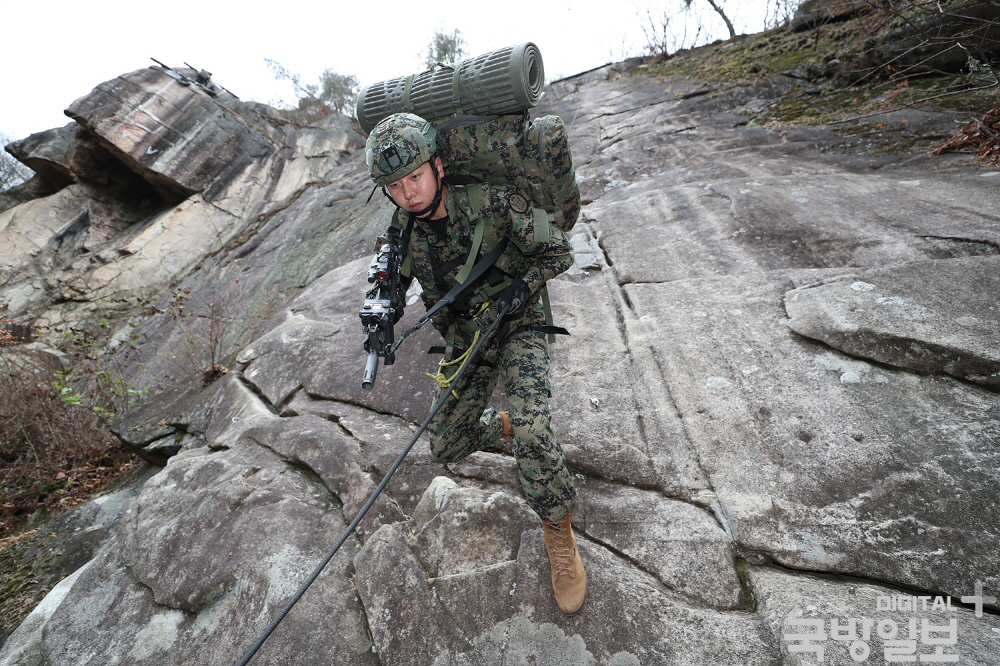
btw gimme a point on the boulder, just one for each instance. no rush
(679, 543)
(834, 463)
(171, 608)
(473, 585)
(180, 137)
(48, 153)
(318, 347)
(842, 622)
(930, 317)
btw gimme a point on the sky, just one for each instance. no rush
(55, 51)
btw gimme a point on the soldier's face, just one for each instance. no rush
(415, 191)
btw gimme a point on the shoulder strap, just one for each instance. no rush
(542, 223)
(461, 179)
(475, 194)
(481, 267)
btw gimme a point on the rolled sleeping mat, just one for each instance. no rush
(507, 80)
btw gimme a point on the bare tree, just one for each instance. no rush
(444, 48)
(780, 12)
(717, 6)
(12, 172)
(661, 40)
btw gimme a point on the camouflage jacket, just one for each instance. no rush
(536, 251)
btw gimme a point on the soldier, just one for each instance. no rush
(443, 216)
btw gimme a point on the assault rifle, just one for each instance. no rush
(383, 306)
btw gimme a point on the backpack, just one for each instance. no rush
(530, 155)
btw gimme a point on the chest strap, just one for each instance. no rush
(475, 273)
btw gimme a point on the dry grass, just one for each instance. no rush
(56, 449)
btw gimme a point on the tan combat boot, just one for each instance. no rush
(508, 429)
(569, 580)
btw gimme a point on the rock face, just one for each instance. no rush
(908, 316)
(157, 172)
(779, 402)
(812, 13)
(911, 38)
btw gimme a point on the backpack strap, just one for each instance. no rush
(463, 120)
(552, 330)
(541, 137)
(543, 222)
(461, 179)
(475, 194)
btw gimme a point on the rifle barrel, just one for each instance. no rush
(371, 369)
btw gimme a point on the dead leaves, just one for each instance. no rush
(981, 136)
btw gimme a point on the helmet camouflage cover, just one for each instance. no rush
(398, 145)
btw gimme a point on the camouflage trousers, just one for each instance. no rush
(465, 424)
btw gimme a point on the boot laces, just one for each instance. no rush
(560, 549)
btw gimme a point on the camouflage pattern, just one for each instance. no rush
(537, 252)
(550, 173)
(398, 145)
(466, 425)
(534, 157)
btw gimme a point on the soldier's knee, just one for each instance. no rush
(445, 447)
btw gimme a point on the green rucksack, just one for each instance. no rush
(530, 155)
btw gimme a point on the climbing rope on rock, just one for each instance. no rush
(371, 500)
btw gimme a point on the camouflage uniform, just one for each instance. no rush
(537, 251)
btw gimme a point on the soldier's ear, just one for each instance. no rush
(439, 165)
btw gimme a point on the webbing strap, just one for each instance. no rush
(461, 179)
(543, 225)
(548, 314)
(456, 98)
(481, 267)
(476, 199)
(407, 89)
(404, 243)
(541, 138)
(463, 120)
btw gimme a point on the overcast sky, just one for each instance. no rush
(54, 51)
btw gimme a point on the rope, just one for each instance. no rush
(371, 500)
(445, 382)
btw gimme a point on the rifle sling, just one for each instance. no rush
(474, 274)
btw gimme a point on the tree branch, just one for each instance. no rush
(729, 24)
(996, 83)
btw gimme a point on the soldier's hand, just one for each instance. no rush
(514, 297)
(397, 315)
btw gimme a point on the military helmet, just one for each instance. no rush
(398, 145)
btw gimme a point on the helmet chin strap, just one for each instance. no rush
(437, 196)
